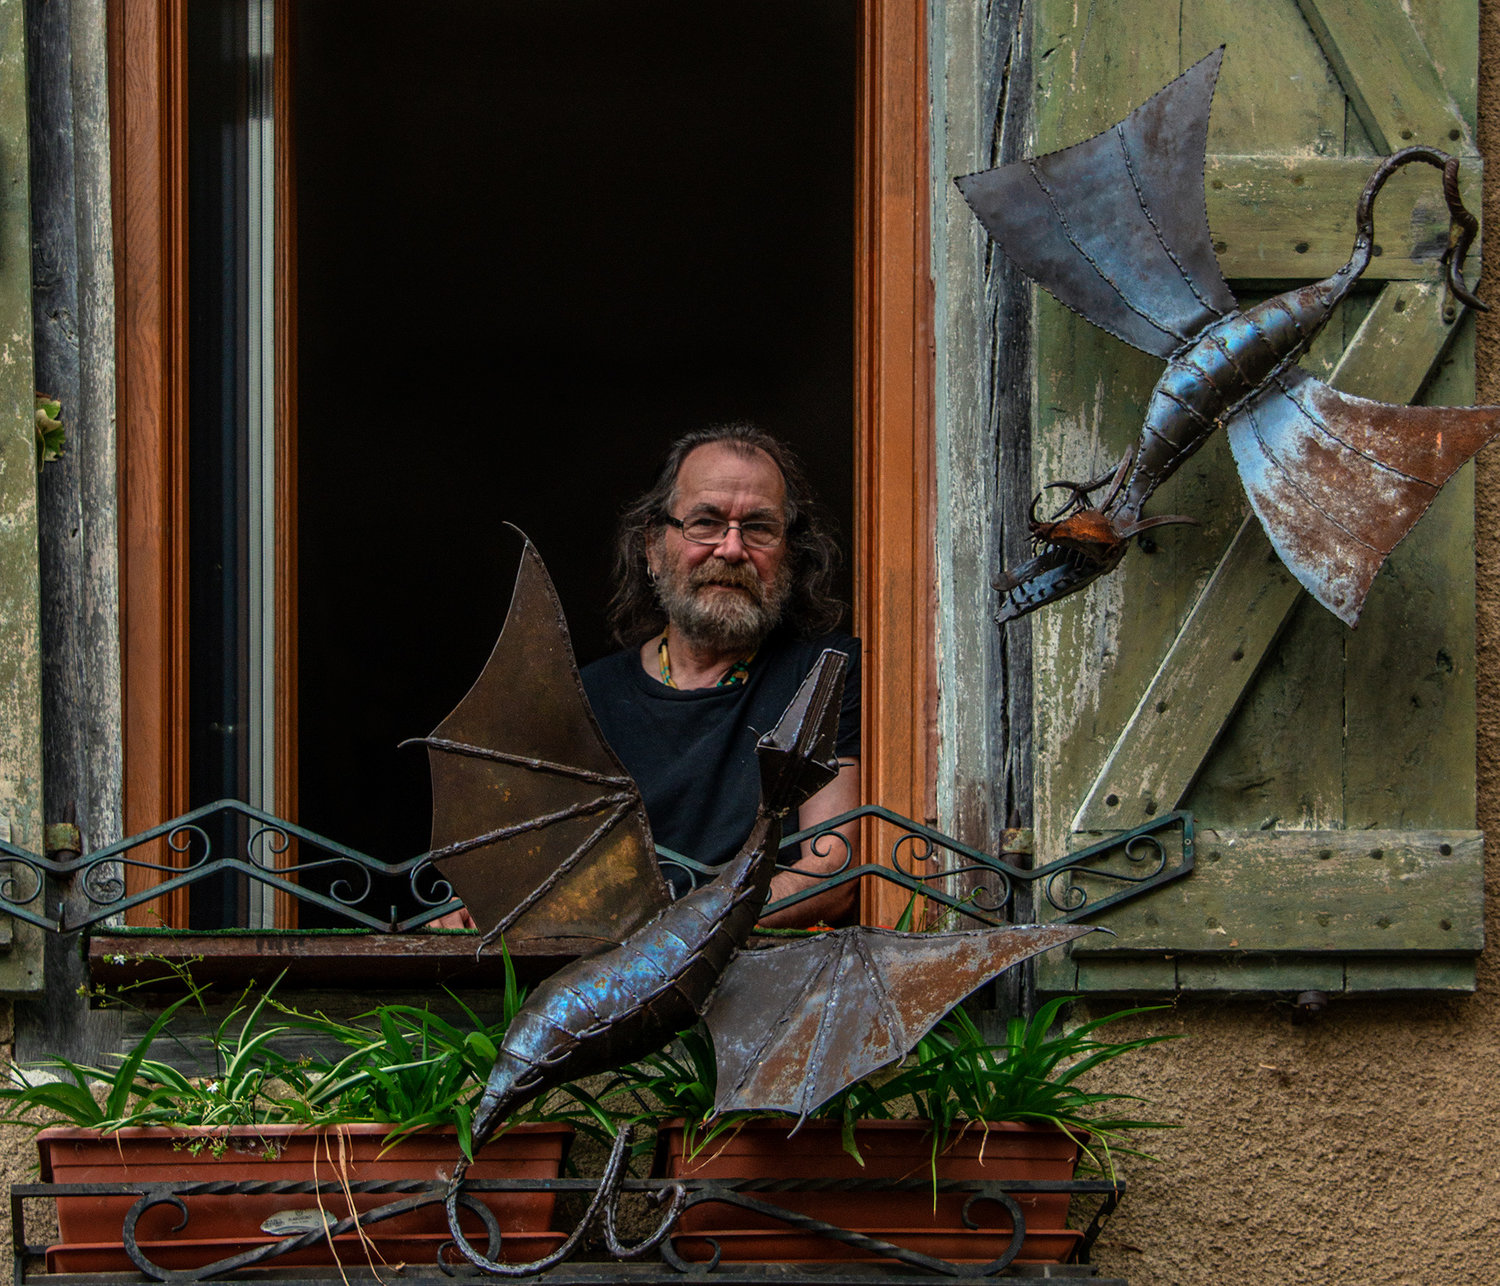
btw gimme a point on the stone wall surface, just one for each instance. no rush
(17, 1152)
(1362, 1147)
(17, 1165)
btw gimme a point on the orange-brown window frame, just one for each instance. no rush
(894, 492)
(148, 119)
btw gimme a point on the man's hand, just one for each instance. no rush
(460, 919)
(839, 796)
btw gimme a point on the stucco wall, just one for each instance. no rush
(1363, 1146)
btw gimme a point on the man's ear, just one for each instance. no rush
(653, 554)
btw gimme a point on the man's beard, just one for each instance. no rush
(728, 621)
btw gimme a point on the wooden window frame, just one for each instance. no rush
(148, 111)
(894, 495)
(895, 492)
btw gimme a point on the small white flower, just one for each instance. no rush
(212, 1087)
(118, 960)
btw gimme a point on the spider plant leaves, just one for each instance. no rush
(123, 1084)
(588, 1114)
(400, 1065)
(514, 997)
(69, 1100)
(480, 1050)
(954, 1078)
(463, 1118)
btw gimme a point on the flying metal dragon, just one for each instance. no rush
(540, 830)
(1336, 480)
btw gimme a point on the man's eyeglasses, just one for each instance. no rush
(756, 533)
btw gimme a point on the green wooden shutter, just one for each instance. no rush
(1330, 771)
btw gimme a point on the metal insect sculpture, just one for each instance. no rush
(540, 830)
(1336, 480)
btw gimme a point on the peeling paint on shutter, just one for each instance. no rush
(1331, 772)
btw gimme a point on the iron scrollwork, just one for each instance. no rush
(1148, 866)
(917, 853)
(226, 837)
(668, 1253)
(920, 858)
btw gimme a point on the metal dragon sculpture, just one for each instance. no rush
(541, 832)
(1116, 229)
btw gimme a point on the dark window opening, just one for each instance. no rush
(535, 242)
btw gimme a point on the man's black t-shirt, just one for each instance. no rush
(693, 752)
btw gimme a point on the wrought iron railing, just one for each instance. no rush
(66, 893)
(354, 887)
(673, 1255)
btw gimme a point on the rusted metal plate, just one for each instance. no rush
(1115, 227)
(535, 823)
(794, 1025)
(1337, 480)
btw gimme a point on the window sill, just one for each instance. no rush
(322, 959)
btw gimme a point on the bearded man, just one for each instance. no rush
(723, 605)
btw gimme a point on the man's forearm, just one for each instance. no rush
(821, 856)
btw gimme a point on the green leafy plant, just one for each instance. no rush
(958, 1080)
(412, 1069)
(50, 435)
(955, 1079)
(45, 1100)
(402, 1066)
(242, 1085)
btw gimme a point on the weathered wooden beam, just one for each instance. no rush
(1237, 617)
(1388, 74)
(983, 373)
(1379, 892)
(1291, 217)
(1247, 974)
(73, 319)
(1196, 688)
(20, 611)
(325, 959)
(101, 803)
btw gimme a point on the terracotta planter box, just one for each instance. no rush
(218, 1226)
(891, 1150)
(415, 1252)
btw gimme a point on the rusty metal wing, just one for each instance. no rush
(1115, 227)
(1337, 481)
(535, 822)
(795, 1024)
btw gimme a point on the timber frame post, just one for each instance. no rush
(21, 815)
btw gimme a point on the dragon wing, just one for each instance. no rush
(1115, 227)
(535, 822)
(1337, 481)
(795, 1024)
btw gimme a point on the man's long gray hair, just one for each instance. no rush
(635, 614)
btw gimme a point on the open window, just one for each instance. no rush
(386, 285)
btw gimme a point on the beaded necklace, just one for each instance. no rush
(736, 673)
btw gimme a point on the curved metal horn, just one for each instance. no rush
(605, 1195)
